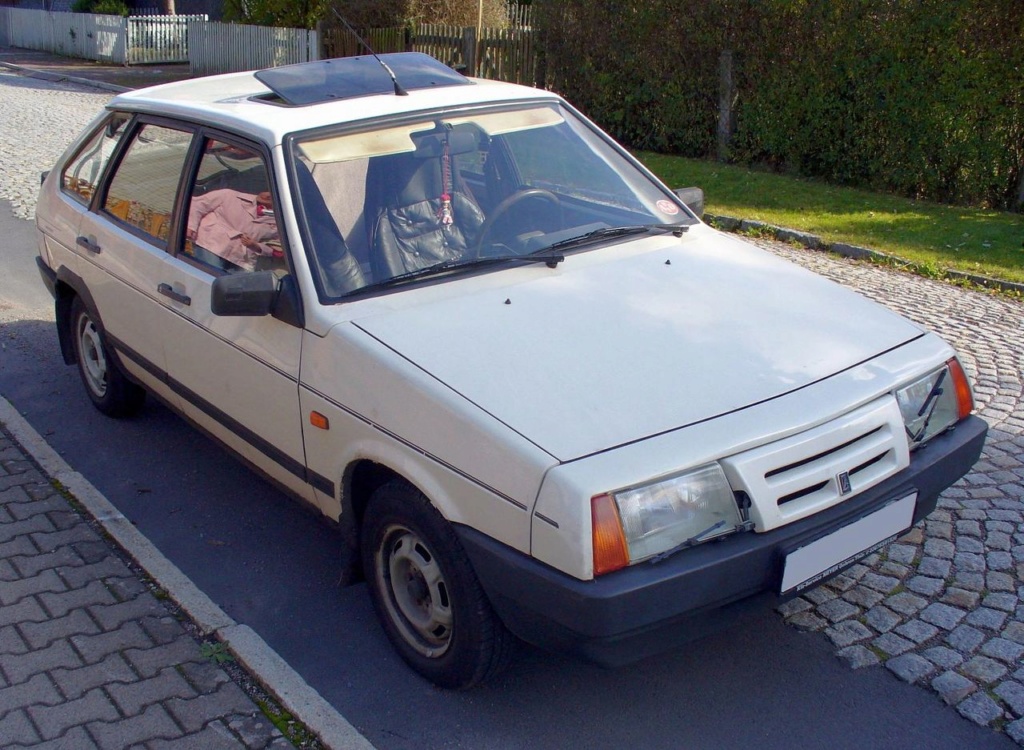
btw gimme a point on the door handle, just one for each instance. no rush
(83, 241)
(168, 291)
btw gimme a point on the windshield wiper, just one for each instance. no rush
(551, 259)
(606, 233)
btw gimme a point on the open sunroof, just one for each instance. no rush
(350, 77)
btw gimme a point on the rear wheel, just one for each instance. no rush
(108, 388)
(426, 594)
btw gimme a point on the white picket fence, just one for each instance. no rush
(228, 47)
(109, 39)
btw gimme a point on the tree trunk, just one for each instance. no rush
(168, 7)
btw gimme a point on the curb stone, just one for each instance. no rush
(61, 78)
(262, 662)
(814, 242)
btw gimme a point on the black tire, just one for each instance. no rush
(109, 389)
(426, 594)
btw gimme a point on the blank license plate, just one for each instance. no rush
(821, 558)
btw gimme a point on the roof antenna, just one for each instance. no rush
(399, 91)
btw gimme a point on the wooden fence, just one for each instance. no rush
(501, 54)
(229, 47)
(109, 39)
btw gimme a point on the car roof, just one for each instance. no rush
(240, 102)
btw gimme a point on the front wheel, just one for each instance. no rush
(426, 594)
(108, 388)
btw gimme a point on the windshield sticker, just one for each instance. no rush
(667, 207)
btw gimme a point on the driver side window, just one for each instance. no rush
(231, 224)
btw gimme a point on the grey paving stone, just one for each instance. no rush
(961, 598)
(14, 591)
(953, 687)
(76, 682)
(820, 595)
(53, 721)
(999, 560)
(48, 542)
(892, 644)
(30, 565)
(112, 616)
(794, 606)
(127, 587)
(965, 639)
(1012, 693)
(970, 581)
(969, 562)
(942, 615)
(984, 617)
(910, 667)
(1001, 601)
(969, 545)
(194, 713)
(33, 525)
(916, 630)
(94, 648)
(933, 567)
(214, 736)
(152, 724)
(19, 546)
(926, 586)
(20, 667)
(148, 662)
(75, 622)
(11, 641)
(980, 709)
(37, 690)
(807, 621)
(163, 629)
(884, 584)
(89, 595)
(203, 676)
(858, 656)
(848, 632)
(107, 568)
(1014, 632)
(1004, 650)
(906, 603)
(894, 569)
(983, 669)
(901, 553)
(882, 619)
(1016, 731)
(16, 728)
(939, 548)
(997, 540)
(996, 581)
(943, 656)
(132, 698)
(862, 596)
(837, 610)
(970, 528)
(255, 731)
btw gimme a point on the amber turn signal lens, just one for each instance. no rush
(964, 397)
(610, 550)
(319, 420)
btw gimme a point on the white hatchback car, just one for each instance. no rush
(537, 394)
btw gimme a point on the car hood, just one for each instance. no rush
(632, 341)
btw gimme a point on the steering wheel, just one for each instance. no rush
(507, 205)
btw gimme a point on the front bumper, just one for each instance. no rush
(647, 608)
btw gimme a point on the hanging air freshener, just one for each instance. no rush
(446, 215)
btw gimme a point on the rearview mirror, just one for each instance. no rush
(693, 197)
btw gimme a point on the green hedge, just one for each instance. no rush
(924, 98)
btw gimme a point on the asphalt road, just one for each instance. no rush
(271, 565)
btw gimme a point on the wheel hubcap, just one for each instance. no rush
(93, 361)
(415, 591)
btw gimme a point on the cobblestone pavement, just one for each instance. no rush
(90, 657)
(941, 607)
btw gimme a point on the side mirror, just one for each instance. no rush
(693, 197)
(248, 294)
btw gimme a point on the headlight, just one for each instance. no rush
(935, 403)
(638, 523)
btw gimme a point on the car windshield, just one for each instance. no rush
(403, 202)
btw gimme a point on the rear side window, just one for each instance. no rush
(144, 185)
(83, 173)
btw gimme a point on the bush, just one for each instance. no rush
(924, 99)
(101, 7)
